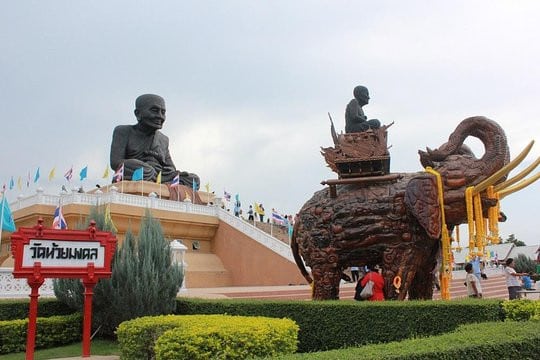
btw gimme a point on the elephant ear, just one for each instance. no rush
(422, 201)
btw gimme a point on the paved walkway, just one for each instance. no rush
(494, 287)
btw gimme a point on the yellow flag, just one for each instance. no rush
(188, 198)
(19, 183)
(108, 219)
(158, 179)
(51, 173)
(106, 173)
(207, 187)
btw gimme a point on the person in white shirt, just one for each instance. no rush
(474, 288)
(512, 279)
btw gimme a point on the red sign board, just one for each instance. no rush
(62, 253)
(41, 253)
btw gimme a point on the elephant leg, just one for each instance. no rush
(422, 284)
(401, 260)
(326, 279)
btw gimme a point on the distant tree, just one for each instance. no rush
(524, 265)
(512, 239)
(144, 279)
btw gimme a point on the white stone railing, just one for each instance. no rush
(14, 288)
(276, 245)
(112, 197)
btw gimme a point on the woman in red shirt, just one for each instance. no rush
(378, 283)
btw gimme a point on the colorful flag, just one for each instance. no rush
(69, 174)
(195, 186)
(28, 180)
(19, 183)
(158, 179)
(106, 173)
(138, 174)
(51, 173)
(59, 222)
(226, 195)
(36, 177)
(108, 219)
(119, 174)
(176, 180)
(277, 219)
(207, 187)
(11, 183)
(83, 174)
(7, 218)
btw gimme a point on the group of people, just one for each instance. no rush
(514, 281)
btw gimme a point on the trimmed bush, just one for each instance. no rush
(322, 323)
(228, 337)
(492, 340)
(51, 331)
(522, 310)
(14, 309)
(196, 336)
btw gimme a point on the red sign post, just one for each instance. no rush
(41, 253)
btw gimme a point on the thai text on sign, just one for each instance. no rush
(59, 253)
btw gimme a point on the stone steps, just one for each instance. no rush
(493, 288)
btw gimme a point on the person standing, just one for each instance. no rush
(250, 213)
(261, 212)
(512, 279)
(378, 283)
(474, 288)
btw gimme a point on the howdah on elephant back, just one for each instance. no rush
(396, 220)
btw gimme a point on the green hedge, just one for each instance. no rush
(326, 325)
(14, 309)
(205, 336)
(491, 340)
(522, 310)
(51, 331)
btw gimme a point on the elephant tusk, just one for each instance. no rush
(518, 186)
(503, 171)
(518, 177)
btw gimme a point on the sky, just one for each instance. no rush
(248, 85)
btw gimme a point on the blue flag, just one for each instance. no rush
(138, 174)
(36, 177)
(11, 183)
(84, 173)
(7, 218)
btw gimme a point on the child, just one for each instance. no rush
(474, 289)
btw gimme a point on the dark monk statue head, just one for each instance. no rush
(361, 94)
(150, 112)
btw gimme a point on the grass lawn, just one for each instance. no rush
(99, 347)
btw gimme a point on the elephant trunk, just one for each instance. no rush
(487, 131)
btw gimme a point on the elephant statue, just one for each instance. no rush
(395, 220)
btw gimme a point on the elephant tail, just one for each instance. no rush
(298, 258)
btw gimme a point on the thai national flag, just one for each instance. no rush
(69, 174)
(277, 219)
(176, 180)
(119, 174)
(59, 222)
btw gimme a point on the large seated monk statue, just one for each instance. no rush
(355, 119)
(143, 145)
